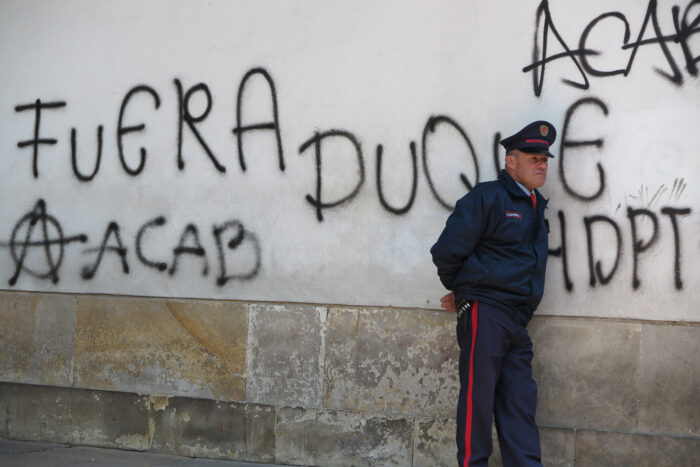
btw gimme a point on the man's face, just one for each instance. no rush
(530, 170)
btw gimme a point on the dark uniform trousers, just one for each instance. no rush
(495, 375)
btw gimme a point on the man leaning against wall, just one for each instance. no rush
(492, 256)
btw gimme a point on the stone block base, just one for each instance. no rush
(291, 436)
(314, 384)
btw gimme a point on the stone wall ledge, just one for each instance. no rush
(292, 435)
(538, 315)
(689, 436)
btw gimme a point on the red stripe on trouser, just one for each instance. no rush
(470, 385)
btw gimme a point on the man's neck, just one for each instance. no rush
(527, 192)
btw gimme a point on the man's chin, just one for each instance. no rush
(539, 182)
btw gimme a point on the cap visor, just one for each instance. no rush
(538, 150)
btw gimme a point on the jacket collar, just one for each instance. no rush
(505, 178)
(507, 181)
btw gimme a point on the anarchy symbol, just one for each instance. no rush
(51, 240)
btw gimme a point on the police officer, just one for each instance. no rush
(492, 255)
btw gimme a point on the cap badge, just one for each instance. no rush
(544, 130)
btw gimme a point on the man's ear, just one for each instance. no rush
(509, 161)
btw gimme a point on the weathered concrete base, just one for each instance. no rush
(621, 376)
(99, 418)
(34, 454)
(320, 385)
(293, 436)
(594, 448)
(221, 430)
(322, 437)
(434, 442)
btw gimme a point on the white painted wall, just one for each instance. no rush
(378, 70)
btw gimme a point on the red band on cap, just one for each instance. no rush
(537, 141)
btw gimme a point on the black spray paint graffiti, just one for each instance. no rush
(317, 200)
(185, 116)
(43, 232)
(37, 106)
(414, 183)
(112, 230)
(185, 119)
(190, 243)
(273, 125)
(121, 130)
(195, 250)
(430, 127)
(569, 143)
(684, 26)
(52, 243)
(74, 157)
(316, 140)
(597, 274)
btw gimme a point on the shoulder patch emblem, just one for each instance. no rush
(513, 215)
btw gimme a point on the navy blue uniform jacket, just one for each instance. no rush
(494, 247)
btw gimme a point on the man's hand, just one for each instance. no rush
(448, 302)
